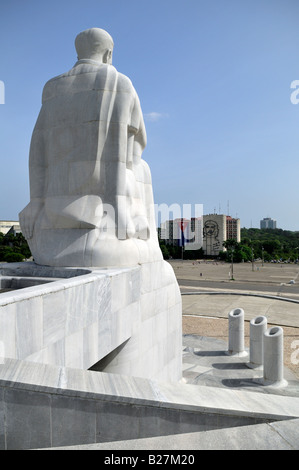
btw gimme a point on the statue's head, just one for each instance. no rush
(95, 44)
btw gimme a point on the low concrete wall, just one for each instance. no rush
(129, 318)
(45, 406)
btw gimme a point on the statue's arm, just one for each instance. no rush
(37, 174)
(136, 132)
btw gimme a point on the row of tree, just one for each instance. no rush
(264, 244)
(13, 248)
(176, 252)
(271, 244)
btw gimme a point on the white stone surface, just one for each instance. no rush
(91, 199)
(41, 403)
(140, 391)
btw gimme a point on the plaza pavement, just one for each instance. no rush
(268, 273)
(280, 309)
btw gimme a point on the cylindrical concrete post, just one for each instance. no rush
(273, 356)
(258, 327)
(236, 332)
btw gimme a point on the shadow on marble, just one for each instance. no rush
(206, 353)
(240, 383)
(230, 366)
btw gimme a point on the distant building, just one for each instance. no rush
(183, 232)
(9, 225)
(171, 232)
(207, 232)
(268, 223)
(214, 233)
(195, 234)
(233, 229)
(14, 229)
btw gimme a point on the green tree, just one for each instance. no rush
(13, 244)
(230, 244)
(165, 251)
(13, 257)
(236, 252)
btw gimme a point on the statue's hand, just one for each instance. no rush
(142, 229)
(26, 222)
(28, 217)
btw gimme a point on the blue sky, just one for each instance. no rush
(213, 79)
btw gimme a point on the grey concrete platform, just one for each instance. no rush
(213, 373)
(206, 363)
(45, 406)
(282, 435)
(219, 404)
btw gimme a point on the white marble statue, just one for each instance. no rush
(91, 201)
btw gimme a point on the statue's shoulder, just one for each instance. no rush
(124, 82)
(123, 78)
(52, 81)
(49, 87)
(80, 68)
(101, 77)
(51, 84)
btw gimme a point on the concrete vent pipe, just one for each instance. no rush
(258, 326)
(236, 332)
(273, 357)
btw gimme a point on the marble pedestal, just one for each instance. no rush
(124, 321)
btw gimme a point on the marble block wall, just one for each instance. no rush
(125, 321)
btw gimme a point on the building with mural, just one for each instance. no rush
(207, 232)
(214, 233)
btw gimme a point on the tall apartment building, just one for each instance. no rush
(187, 232)
(268, 223)
(233, 229)
(171, 232)
(195, 234)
